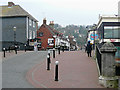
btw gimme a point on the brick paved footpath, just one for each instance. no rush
(76, 70)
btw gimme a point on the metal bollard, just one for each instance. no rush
(15, 49)
(59, 50)
(49, 52)
(53, 52)
(9, 49)
(4, 51)
(63, 48)
(25, 47)
(56, 71)
(48, 62)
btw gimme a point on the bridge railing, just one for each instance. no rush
(98, 57)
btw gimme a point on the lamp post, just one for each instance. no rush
(14, 29)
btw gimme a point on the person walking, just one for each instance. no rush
(89, 49)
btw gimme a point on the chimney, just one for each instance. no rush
(10, 4)
(44, 21)
(51, 24)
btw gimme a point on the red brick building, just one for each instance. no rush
(45, 35)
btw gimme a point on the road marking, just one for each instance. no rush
(30, 75)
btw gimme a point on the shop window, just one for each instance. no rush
(111, 32)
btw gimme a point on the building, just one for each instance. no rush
(92, 36)
(72, 41)
(18, 26)
(45, 36)
(48, 37)
(108, 31)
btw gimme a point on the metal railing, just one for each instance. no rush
(98, 57)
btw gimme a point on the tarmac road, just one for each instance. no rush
(14, 69)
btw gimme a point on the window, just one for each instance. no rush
(30, 34)
(40, 34)
(39, 40)
(39, 45)
(111, 32)
(33, 34)
(33, 24)
(50, 41)
(30, 22)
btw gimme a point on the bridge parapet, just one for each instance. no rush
(108, 73)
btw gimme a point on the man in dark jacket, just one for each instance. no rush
(89, 49)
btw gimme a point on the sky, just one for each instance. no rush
(65, 12)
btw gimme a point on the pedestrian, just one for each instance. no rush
(89, 49)
(81, 48)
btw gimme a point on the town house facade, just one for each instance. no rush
(18, 26)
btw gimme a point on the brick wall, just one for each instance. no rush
(44, 39)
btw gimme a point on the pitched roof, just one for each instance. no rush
(50, 29)
(15, 10)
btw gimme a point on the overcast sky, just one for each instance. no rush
(65, 12)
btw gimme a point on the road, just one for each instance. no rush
(14, 69)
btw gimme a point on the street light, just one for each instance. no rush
(14, 29)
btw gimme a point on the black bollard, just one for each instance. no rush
(56, 71)
(25, 48)
(63, 48)
(53, 52)
(4, 51)
(49, 52)
(48, 62)
(9, 49)
(59, 50)
(15, 49)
